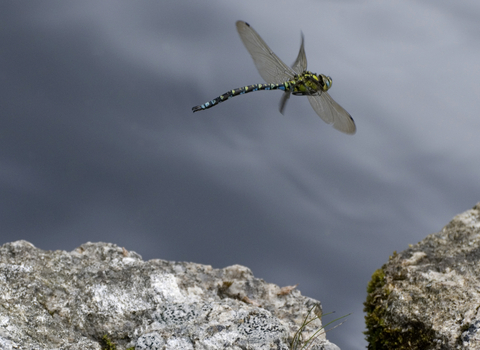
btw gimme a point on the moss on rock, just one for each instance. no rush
(382, 334)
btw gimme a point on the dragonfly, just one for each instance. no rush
(296, 80)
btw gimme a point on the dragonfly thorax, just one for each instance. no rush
(309, 83)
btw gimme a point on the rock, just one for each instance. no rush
(428, 296)
(72, 300)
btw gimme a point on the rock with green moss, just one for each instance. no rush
(428, 296)
(103, 297)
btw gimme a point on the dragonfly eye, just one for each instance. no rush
(327, 82)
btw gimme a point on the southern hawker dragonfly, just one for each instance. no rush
(295, 80)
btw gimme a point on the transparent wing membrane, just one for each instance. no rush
(300, 64)
(283, 101)
(270, 67)
(332, 113)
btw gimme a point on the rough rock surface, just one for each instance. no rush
(428, 296)
(71, 300)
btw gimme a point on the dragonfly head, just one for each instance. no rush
(327, 82)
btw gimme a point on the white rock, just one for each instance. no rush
(70, 300)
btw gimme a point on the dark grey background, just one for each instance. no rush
(98, 141)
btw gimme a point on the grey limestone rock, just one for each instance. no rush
(71, 300)
(428, 296)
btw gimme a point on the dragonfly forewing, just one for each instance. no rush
(332, 113)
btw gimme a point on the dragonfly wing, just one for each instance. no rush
(270, 67)
(283, 100)
(332, 113)
(300, 64)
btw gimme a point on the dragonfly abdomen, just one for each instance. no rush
(287, 86)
